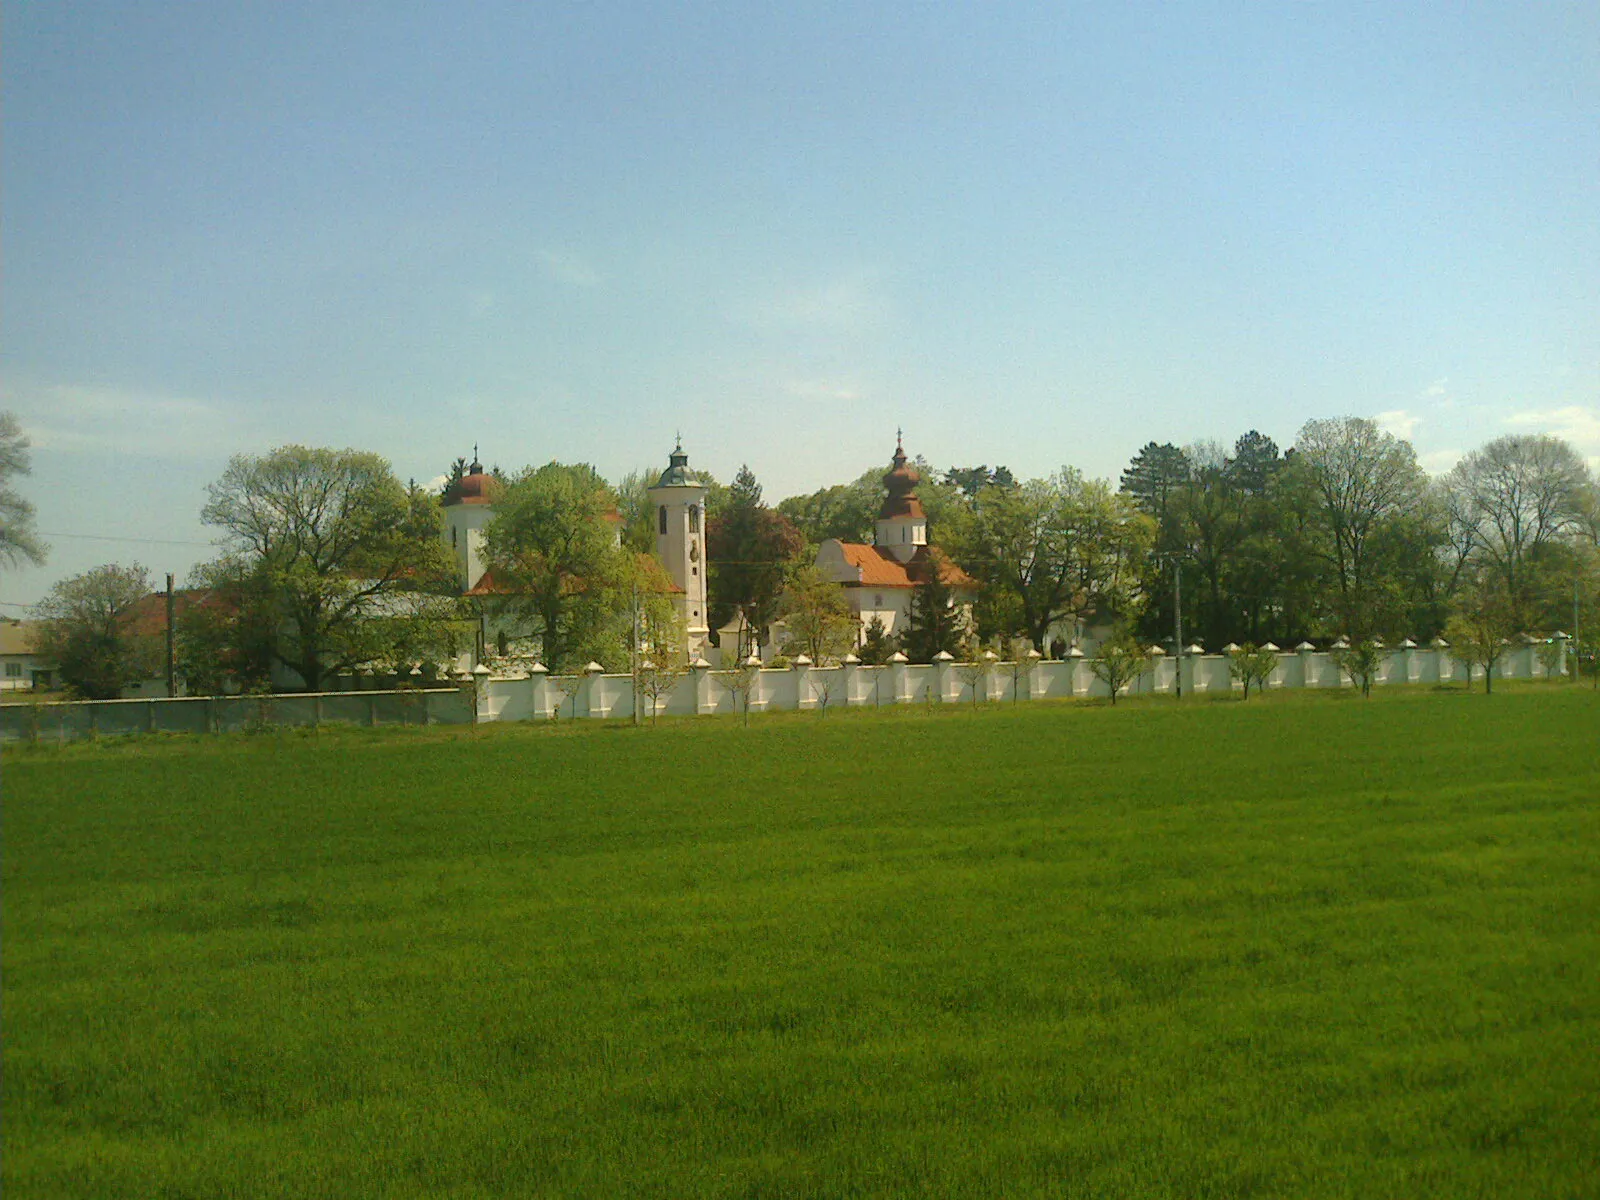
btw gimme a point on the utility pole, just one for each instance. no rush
(172, 644)
(1577, 638)
(1177, 624)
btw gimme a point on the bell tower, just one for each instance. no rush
(902, 525)
(679, 500)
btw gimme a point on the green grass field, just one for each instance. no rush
(1305, 946)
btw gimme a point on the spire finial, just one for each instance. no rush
(899, 438)
(678, 449)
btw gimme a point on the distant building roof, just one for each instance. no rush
(901, 482)
(877, 568)
(16, 637)
(475, 487)
(678, 472)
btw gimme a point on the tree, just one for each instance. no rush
(352, 561)
(18, 541)
(1119, 662)
(1251, 664)
(227, 634)
(1357, 485)
(750, 550)
(819, 620)
(660, 658)
(876, 643)
(1511, 501)
(936, 622)
(740, 680)
(557, 566)
(1361, 660)
(1021, 664)
(86, 629)
(1480, 631)
(1057, 548)
(974, 672)
(847, 511)
(969, 481)
(1154, 478)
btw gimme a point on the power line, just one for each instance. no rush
(143, 541)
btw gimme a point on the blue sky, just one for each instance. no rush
(1033, 235)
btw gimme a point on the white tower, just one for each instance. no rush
(679, 498)
(468, 507)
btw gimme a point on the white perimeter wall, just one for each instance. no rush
(704, 692)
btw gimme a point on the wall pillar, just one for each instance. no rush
(941, 674)
(593, 700)
(899, 678)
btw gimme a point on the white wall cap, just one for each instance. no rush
(1408, 644)
(1033, 655)
(754, 660)
(1305, 647)
(850, 660)
(480, 670)
(801, 660)
(415, 672)
(990, 656)
(1342, 644)
(593, 668)
(898, 657)
(944, 656)
(1154, 649)
(1270, 646)
(1231, 648)
(700, 663)
(1074, 653)
(1439, 643)
(538, 668)
(1195, 648)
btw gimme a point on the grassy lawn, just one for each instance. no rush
(1305, 946)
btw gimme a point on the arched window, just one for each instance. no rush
(663, 518)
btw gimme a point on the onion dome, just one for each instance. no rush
(678, 473)
(901, 482)
(473, 487)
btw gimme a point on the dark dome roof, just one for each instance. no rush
(901, 482)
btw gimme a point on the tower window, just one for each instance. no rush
(663, 518)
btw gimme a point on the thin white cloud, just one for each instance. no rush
(1576, 424)
(846, 302)
(1400, 422)
(564, 266)
(822, 391)
(1437, 462)
(1439, 389)
(69, 418)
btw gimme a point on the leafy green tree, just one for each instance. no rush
(560, 573)
(227, 632)
(847, 511)
(1485, 620)
(1252, 665)
(352, 560)
(818, 618)
(18, 541)
(86, 628)
(1054, 549)
(1119, 662)
(1357, 485)
(751, 550)
(1361, 660)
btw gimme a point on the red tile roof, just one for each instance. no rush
(878, 568)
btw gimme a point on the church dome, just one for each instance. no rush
(901, 482)
(475, 487)
(678, 472)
